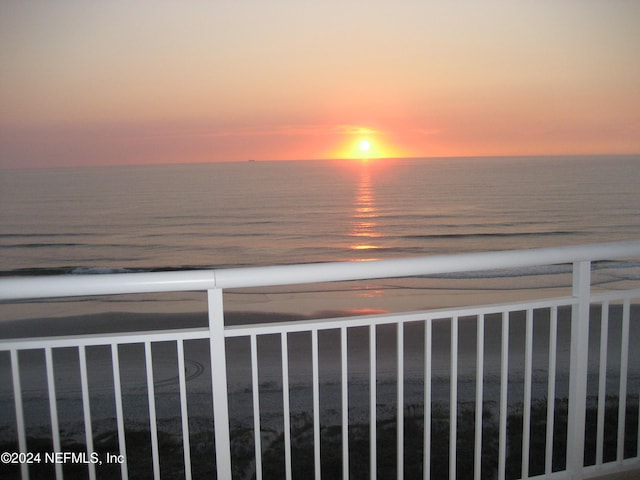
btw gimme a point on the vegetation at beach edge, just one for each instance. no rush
(302, 454)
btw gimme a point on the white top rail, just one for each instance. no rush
(22, 288)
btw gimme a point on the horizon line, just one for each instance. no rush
(344, 159)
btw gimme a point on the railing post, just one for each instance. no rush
(578, 368)
(219, 383)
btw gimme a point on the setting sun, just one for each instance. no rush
(364, 143)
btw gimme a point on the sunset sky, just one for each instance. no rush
(120, 82)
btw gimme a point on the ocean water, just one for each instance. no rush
(150, 218)
(139, 218)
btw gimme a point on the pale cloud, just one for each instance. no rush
(301, 130)
(356, 130)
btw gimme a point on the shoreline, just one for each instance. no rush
(123, 321)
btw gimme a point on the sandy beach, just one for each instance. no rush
(269, 355)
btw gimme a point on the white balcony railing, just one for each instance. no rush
(475, 446)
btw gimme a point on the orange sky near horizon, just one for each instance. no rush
(109, 83)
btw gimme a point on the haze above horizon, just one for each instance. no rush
(114, 83)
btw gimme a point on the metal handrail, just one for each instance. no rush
(23, 288)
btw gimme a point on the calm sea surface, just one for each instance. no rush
(73, 220)
(149, 218)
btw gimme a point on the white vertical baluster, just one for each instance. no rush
(602, 381)
(624, 368)
(504, 379)
(638, 438)
(400, 401)
(345, 403)
(477, 461)
(219, 383)
(117, 391)
(17, 399)
(86, 406)
(316, 403)
(255, 388)
(373, 455)
(53, 407)
(426, 462)
(526, 413)
(285, 404)
(153, 426)
(551, 389)
(184, 414)
(453, 400)
(578, 367)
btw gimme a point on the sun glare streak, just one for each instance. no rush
(365, 218)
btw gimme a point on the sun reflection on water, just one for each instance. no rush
(365, 216)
